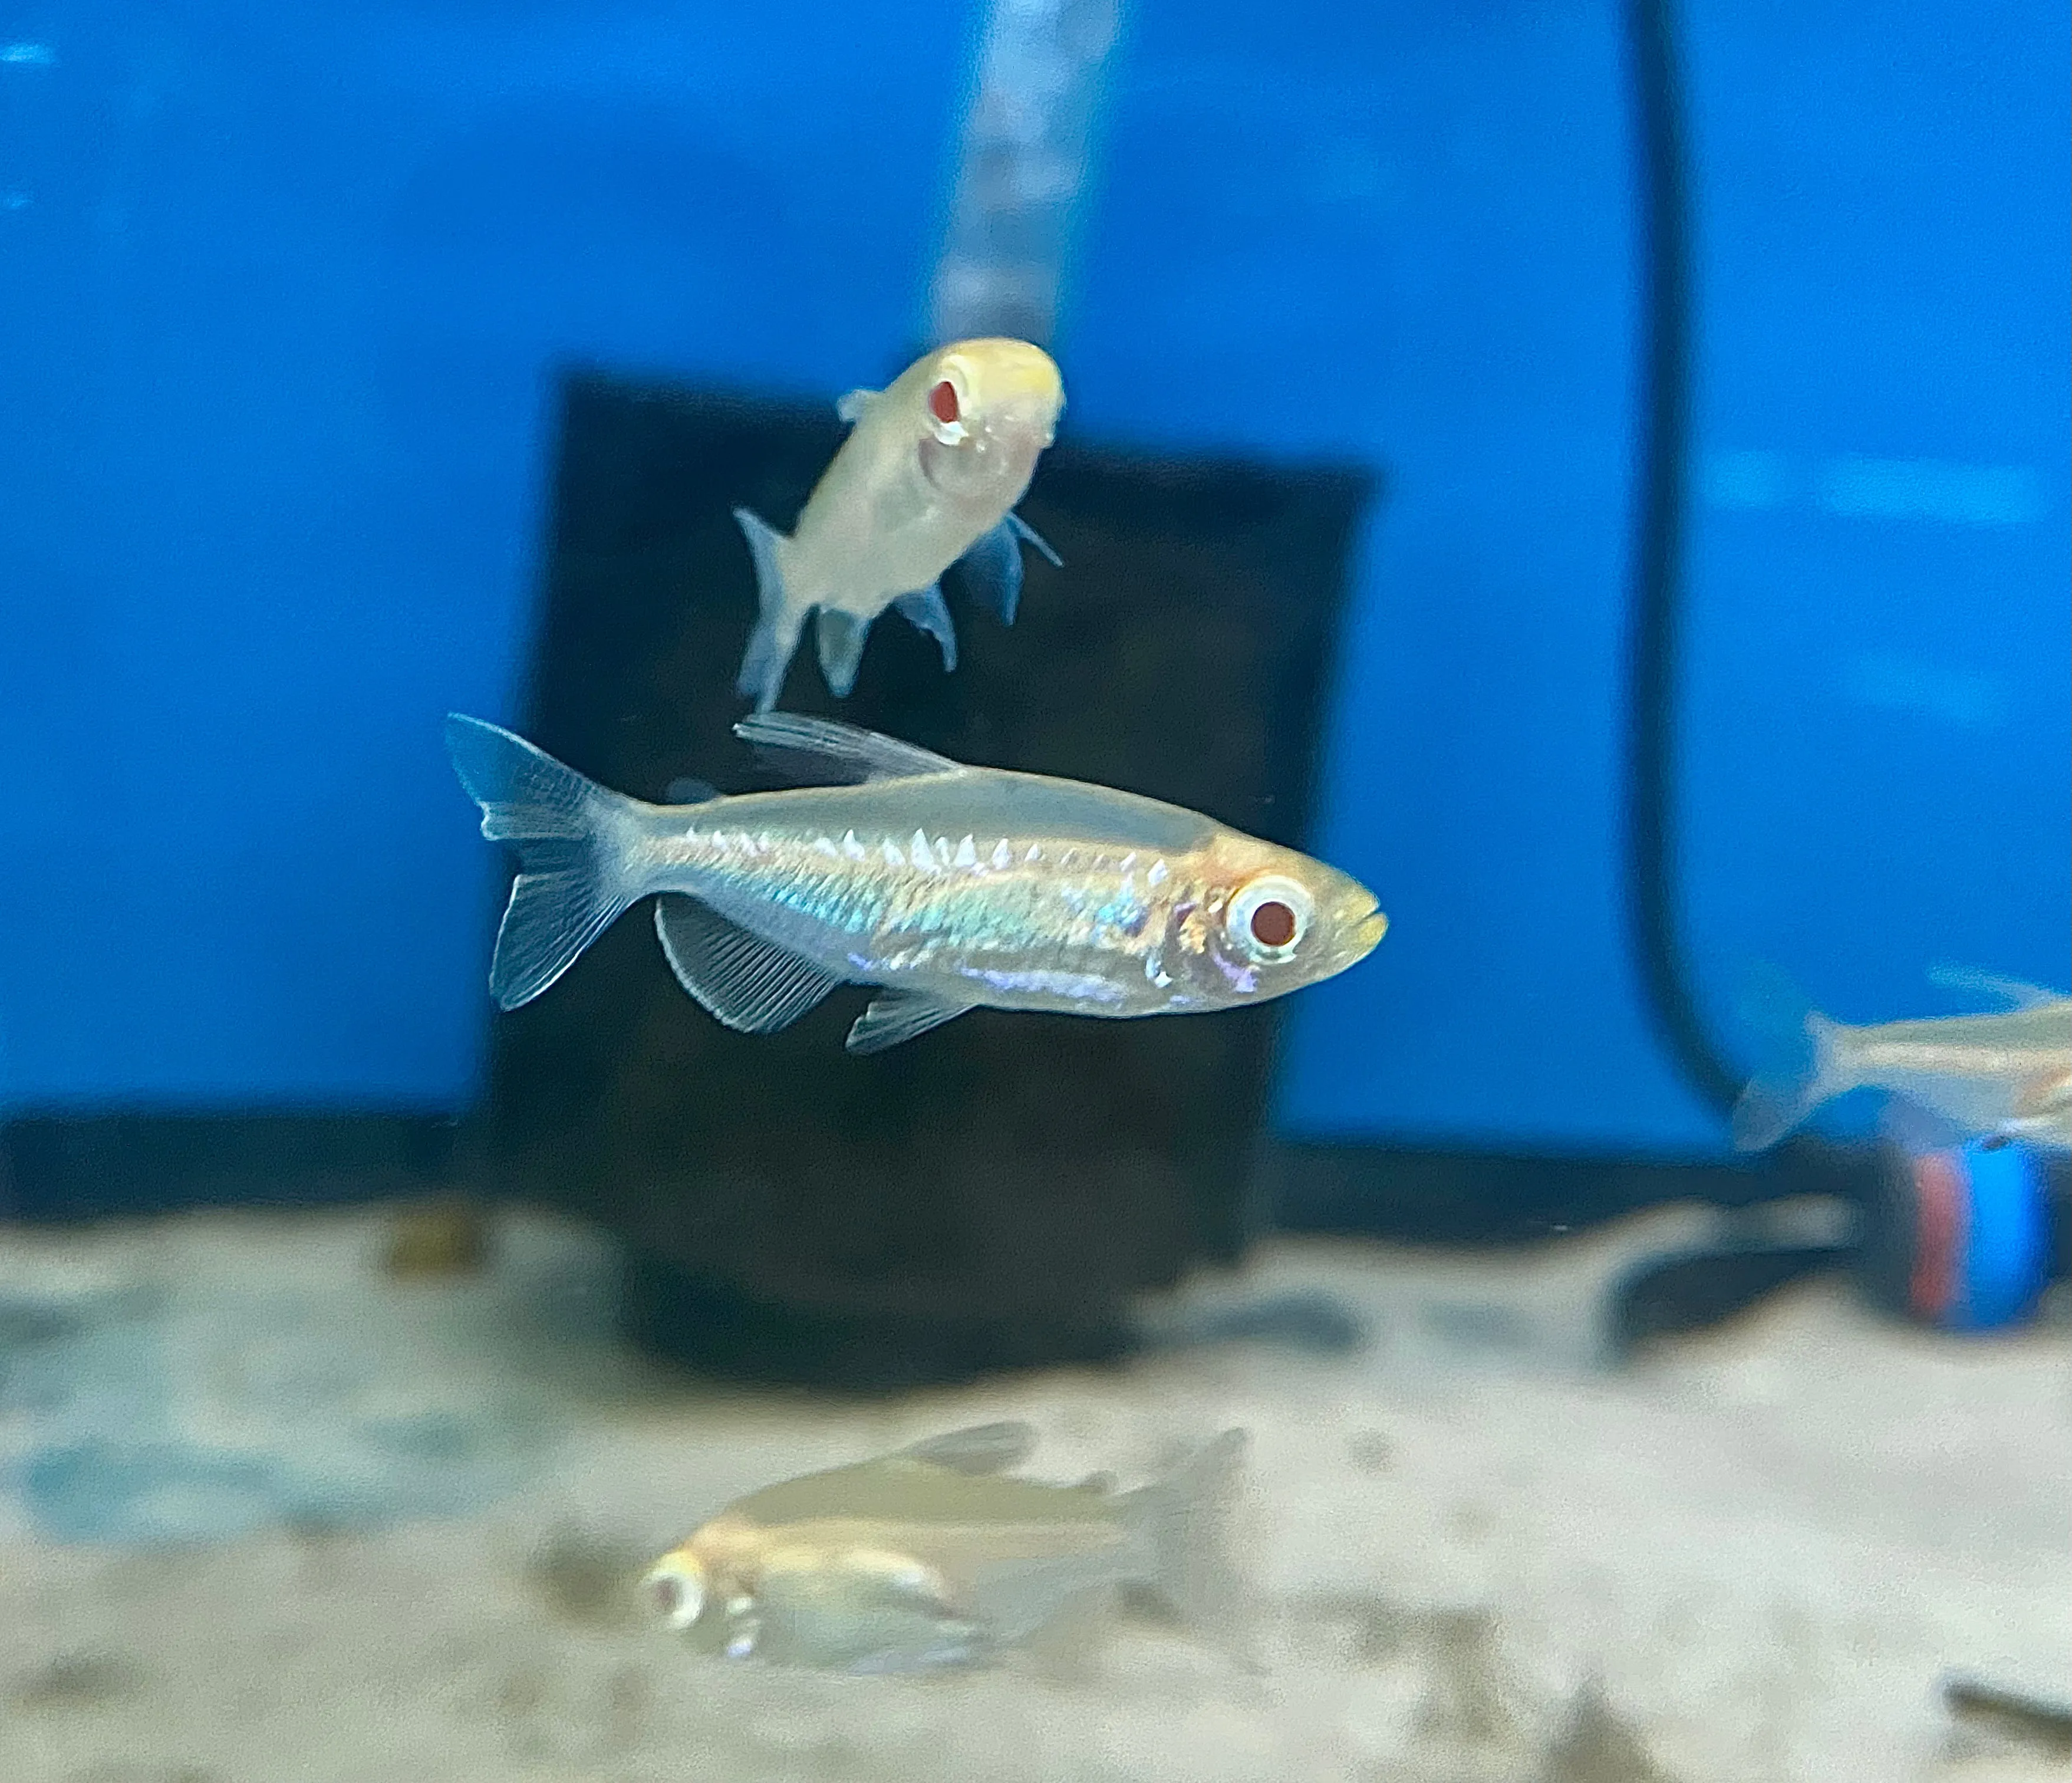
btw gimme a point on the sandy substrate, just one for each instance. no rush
(1476, 1555)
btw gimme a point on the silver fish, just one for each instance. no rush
(928, 1558)
(951, 887)
(929, 475)
(2008, 1073)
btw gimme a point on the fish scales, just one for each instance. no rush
(1060, 907)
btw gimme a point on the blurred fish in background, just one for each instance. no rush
(930, 477)
(929, 1558)
(939, 459)
(2008, 1073)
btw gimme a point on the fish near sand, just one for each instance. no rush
(928, 476)
(2009, 1072)
(932, 1557)
(949, 887)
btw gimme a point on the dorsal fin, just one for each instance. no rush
(827, 752)
(2011, 993)
(983, 1448)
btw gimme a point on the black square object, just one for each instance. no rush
(991, 1194)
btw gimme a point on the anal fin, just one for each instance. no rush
(746, 983)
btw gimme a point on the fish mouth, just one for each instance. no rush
(1367, 931)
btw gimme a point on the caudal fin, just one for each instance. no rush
(570, 835)
(1185, 1519)
(775, 637)
(1776, 1102)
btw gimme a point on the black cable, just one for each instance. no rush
(1663, 252)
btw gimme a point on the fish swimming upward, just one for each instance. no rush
(929, 1557)
(2008, 1073)
(929, 476)
(949, 887)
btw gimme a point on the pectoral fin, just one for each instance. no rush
(841, 636)
(897, 1016)
(924, 609)
(992, 565)
(1024, 531)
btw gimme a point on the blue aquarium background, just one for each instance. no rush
(284, 294)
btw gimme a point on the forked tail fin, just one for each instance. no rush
(775, 637)
(1811, 1068)
(571, 837)
(1186, 1518)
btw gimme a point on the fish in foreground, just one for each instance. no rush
(929, 476)
(931, 1557)
(949, 887)
(2009, 1072)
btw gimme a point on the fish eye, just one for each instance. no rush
(677, 1585)
(1268, 917)
(946, 411)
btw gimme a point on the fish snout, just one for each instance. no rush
(1359, 925)
(676, 1585)
(1024, 421)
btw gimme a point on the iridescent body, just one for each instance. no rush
(950, 887)
(2008, 1073)
(932, 1557)
(929, 476)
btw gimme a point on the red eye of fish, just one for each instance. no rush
(668, 1594)
(942, 402)
(1273, 924)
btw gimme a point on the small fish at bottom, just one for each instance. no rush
(929, 1557)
